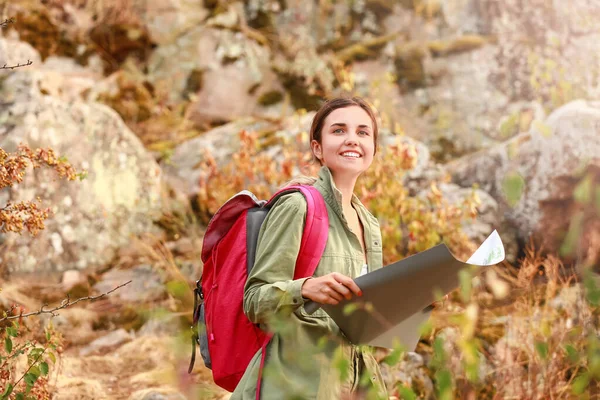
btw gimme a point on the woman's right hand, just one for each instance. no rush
(330, 288)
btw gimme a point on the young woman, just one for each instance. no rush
(308, 357)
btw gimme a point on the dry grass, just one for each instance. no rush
(538, 340)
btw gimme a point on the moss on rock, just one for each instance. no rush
(409, 65)
(270, 98)
(440, 48)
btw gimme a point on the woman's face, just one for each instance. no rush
(347, 142)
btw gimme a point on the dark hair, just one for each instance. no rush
(333, 104)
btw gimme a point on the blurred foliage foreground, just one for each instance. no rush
(525, 332)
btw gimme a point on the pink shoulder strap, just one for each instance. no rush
(316, 229)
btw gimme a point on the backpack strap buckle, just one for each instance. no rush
(198, 299)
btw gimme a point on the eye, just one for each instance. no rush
(338, 130)
(363, 133)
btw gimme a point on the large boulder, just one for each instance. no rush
(13, 52)
(473, 90)
(528, 173)
(226, 74)
(170, 19)
(459, 105)
(92, 218)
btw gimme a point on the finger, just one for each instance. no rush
(350, 284)
(341, 289)
(330, 293)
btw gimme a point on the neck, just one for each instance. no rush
(346, 186)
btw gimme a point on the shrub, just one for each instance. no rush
(28, 382)
(408, 224)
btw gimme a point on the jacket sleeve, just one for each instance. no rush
(270, 288)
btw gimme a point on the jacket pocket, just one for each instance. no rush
(319, 314)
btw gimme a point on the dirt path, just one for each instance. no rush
(144, 368)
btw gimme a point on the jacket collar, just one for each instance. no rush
(331, 194)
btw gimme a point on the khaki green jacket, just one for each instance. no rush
(308, 357)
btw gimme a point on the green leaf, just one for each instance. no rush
(35, 371)
(177, 289)
(48, 335)
(544, 129)
(580, 383)
(350, 308)
(36, 352)
(394, 357)
(572, 353)
(341, 363)
(583, 191)
(570, 243)
(472, 372)
(513, 186)
(20, 396)
(542, 349)
(510, 126)
(52, 357)
(439, 354)
(591, 290)
(425, 328)
(466, 279)
(443, 381)
(8, 344)
(44, 368)
(7, 391)
(12, 331)
(406, 393)
(30, 379)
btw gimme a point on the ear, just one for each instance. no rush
(317, 149)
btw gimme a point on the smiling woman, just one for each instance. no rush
(346, 144)
(308, 357)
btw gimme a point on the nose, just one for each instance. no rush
(351, 141)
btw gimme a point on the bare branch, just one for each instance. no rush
(29, 62)
(6, 22)
(64, 304)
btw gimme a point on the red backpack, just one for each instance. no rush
(228, 339)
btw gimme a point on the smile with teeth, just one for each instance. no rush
(351, 154)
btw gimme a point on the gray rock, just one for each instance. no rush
(76, 282)
(162, 324)
(105, 343)
(424, 171)
(75, 325)
(157, 394)
(94, 217)
(411, 372)
(489, 218)
(461, 16)
(567, 140)
(462, 106)
(146, 284)
(223, 71)
(520, 117)
(13, 52)
(171, 18)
